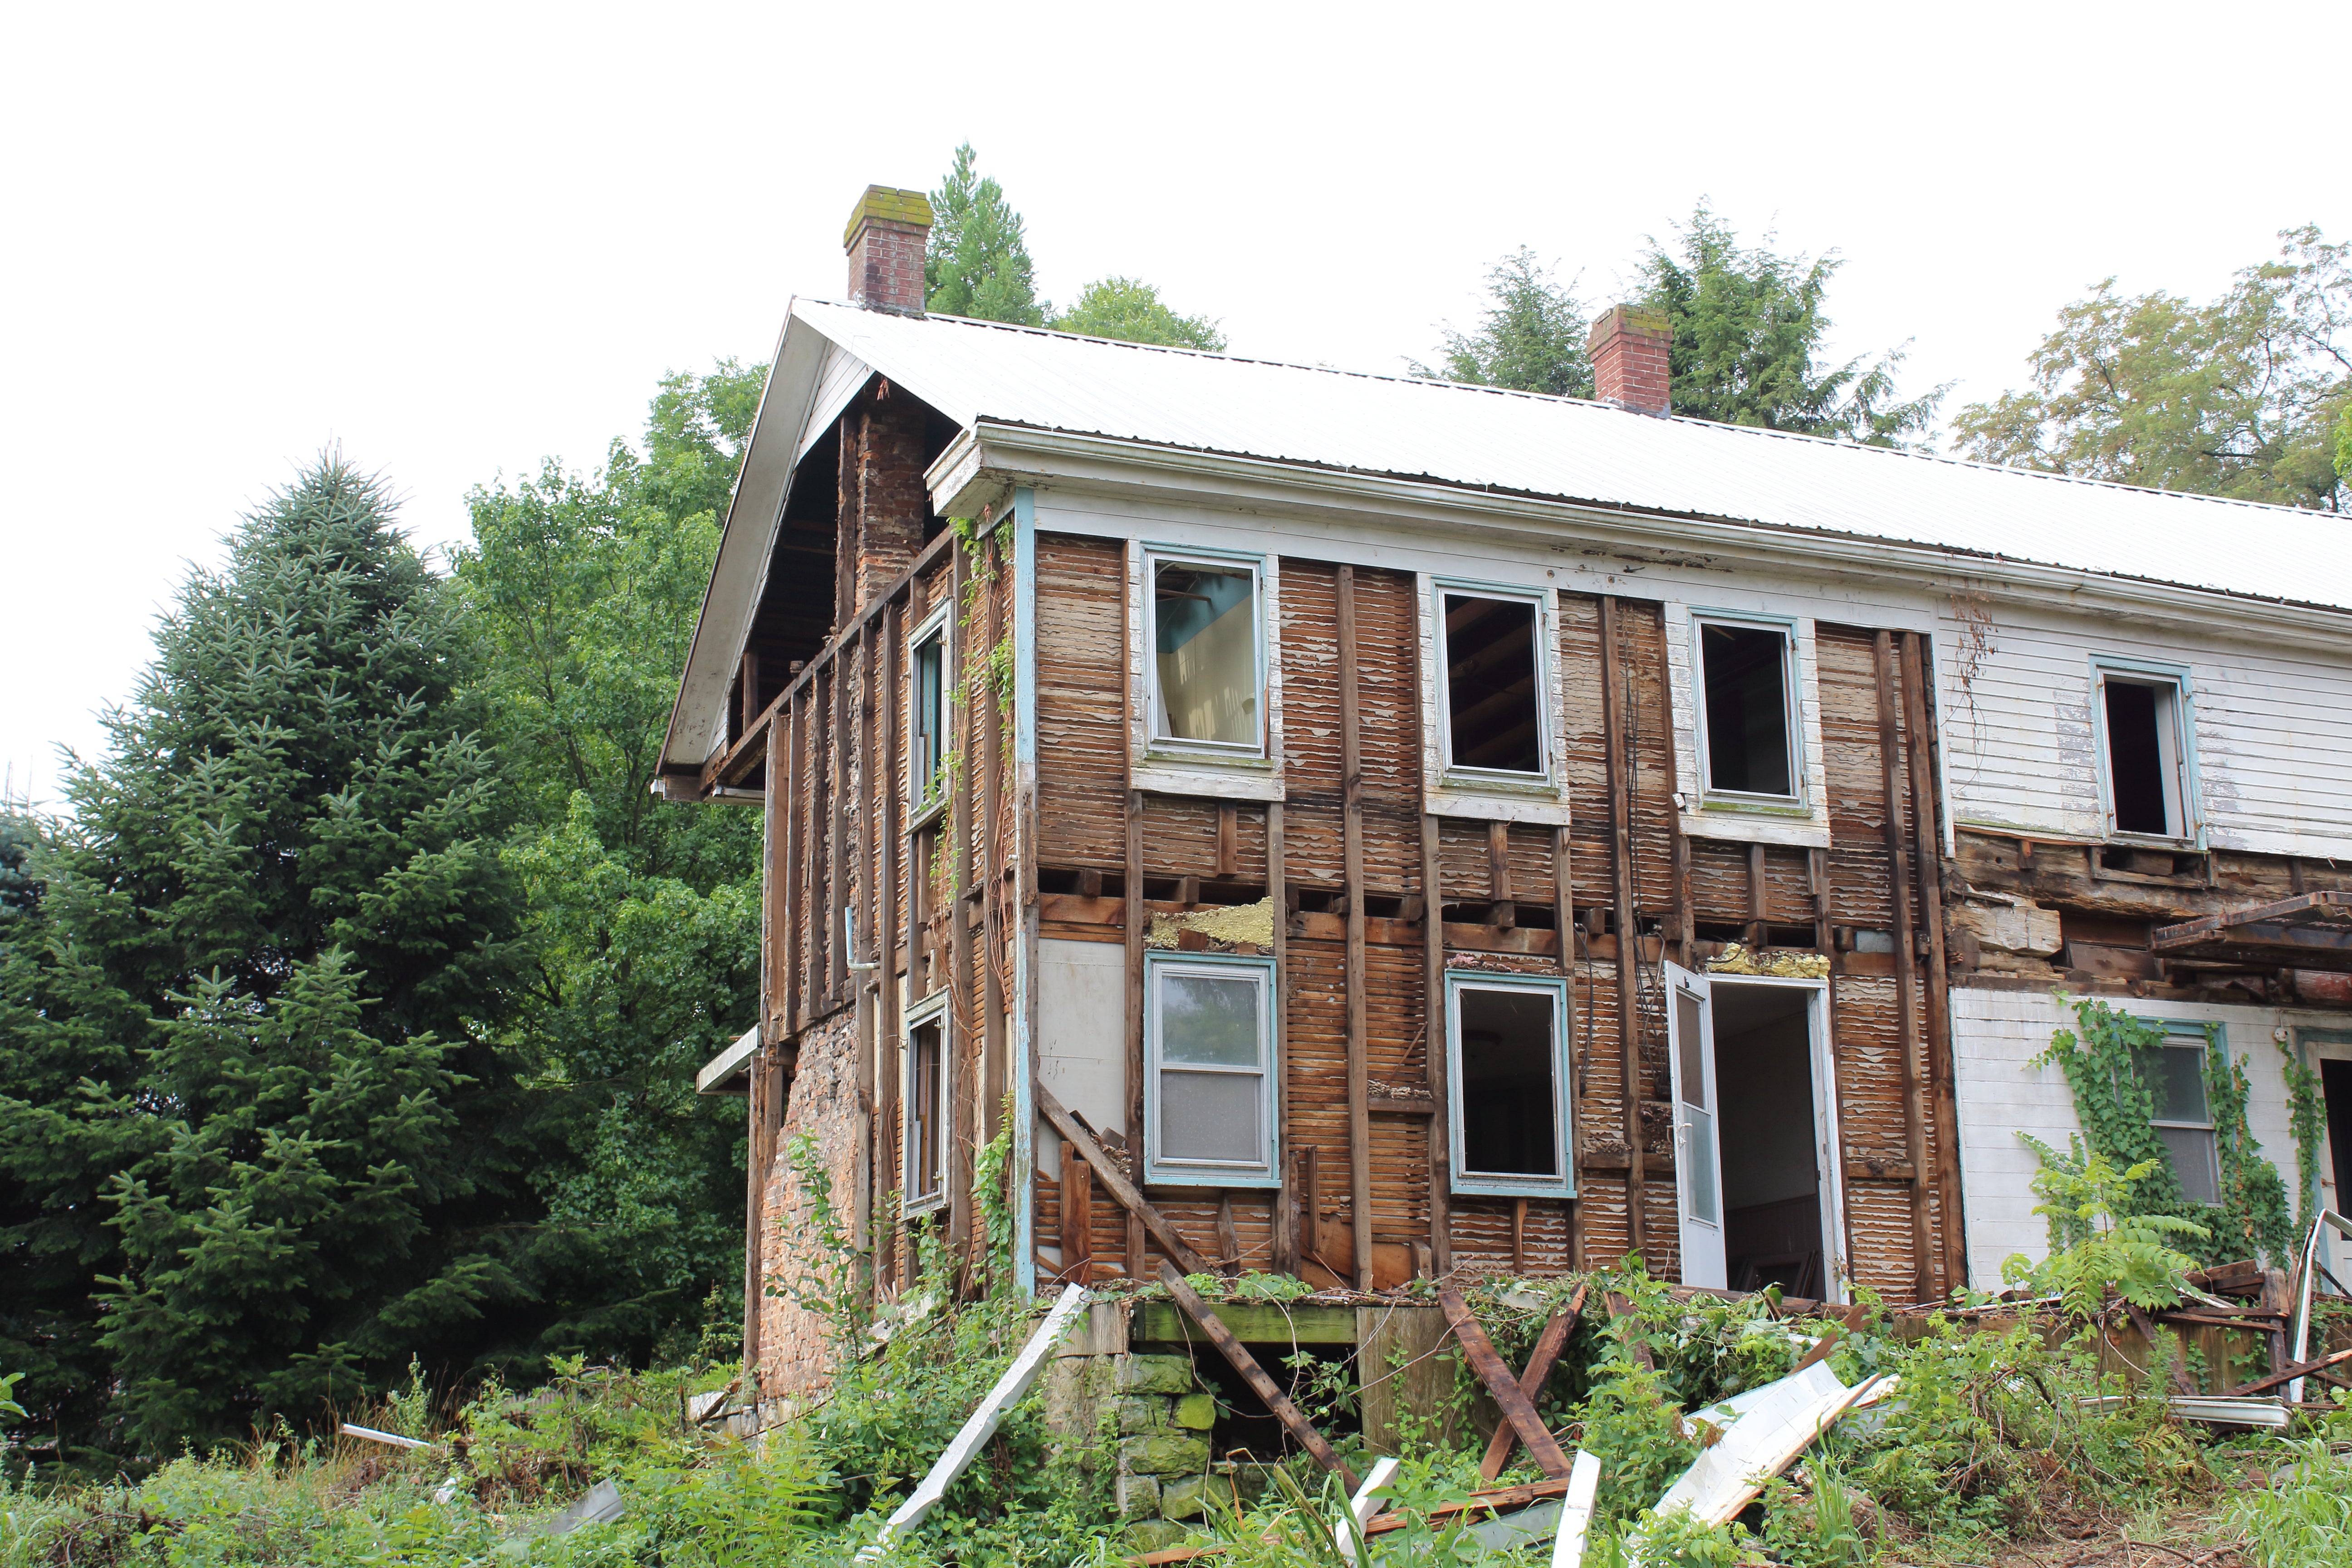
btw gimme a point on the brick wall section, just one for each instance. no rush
(1629, 345)
(888, 231)
(884, 503)
(794, 1354)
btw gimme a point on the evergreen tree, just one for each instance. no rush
(254, 1025)
(1133, 312)
(1748, 325)
(643, 919)
(1530, 338)
(978, 262)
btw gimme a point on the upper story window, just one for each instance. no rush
(1208, 655)
(2175, 1074)
(2145, 728)
(923, 1106)
(1747, 688)
(928, 677)
(1209, 1111)
(1494, 669)
(1508, 1073)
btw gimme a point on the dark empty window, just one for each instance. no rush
(930, 715)
(1506, 1082)
(2143, 757)
(1745, 677)
(1493, 713)
(926, 1100)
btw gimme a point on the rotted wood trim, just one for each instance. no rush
(1920, 719)
(1898, 853)
(1351, 778)
(1621, 860)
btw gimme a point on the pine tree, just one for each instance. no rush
(978, 262)
(1530, 338)
(278, 922)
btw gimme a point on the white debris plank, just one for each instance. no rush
(1576, 1510)
(373, 1435)
(981, 1424)
(1362, 1506)
(1781, 1424)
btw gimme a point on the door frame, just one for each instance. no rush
(1828, 1150)
(1698, 984)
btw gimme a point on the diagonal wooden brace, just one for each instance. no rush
(1518, 1410)
(1546, 1355)
(1114, 1182)
(1293, 1422)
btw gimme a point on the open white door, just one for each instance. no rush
(1698, 1155)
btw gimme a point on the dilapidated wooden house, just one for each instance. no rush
(1371, 827)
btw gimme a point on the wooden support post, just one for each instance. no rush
(1919, 720)
(1077, 1215)
(1756, 904)
(1519, 1409)
(1502, 908)
(1302, 1430)
(1351, 784)
(970, 667)
(838, 808)
(747, 711)
(1229, 1239)
(1114, 1182)
(1898, 852)
(1286, 1198)
(1433, 1032)
(1546, 1355)
(865, 946)
(797, 808)
(989, 879)
(1563, 922)
(1228, 840)
(1519, 1235)
(1629, 927)
(1134, 1075)
(1817, 881)
(885, 942)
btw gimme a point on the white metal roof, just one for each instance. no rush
(1561, 447)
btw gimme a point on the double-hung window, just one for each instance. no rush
(1209, 1117)
(927, 709)
(2175, 1074)
(1508, 1064)
(923, 1106)
(1206, 658)
(1751, 744)
(2143, 712)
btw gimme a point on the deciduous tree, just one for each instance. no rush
(1132, 311)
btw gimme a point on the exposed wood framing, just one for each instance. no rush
(1629, 930)
(1351, 779)
(809, 758)
(1899, 854)
(1519, 1409)
(1114, 1182)
(961, 1130)
(1563, 920)
(989, 882)
(1228, 836)
(884, 938)
(1302, 1430)
(839, 809)
(1540, 1361)
(785, 932)
(1134, 1076)
(1286, 1198)
(1078, 1192)
(1433, 1027)
(1919, 718)
(866, 992)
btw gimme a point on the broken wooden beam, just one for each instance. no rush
(1540, 1361)
(1301, 1429)
(1114, 1182)
(1519, 1409)
(2264, 1383)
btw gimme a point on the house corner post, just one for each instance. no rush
(1022, 1166)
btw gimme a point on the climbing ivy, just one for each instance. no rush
(2307, 1117)
(2104, 1058)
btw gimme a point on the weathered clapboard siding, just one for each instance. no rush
(2273, 730)
(1081, 702)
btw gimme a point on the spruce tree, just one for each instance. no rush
(256, 1028)
(978, 262)
(1529, 338)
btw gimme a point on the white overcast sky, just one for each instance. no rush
(455, 239)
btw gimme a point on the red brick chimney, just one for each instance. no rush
(887, 230)
(1628, 345)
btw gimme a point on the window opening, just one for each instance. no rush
(1493, 710)
(2184, 1125)
(926, 1100)
(1773, 1211)
(1212, 1119)
(1504, 1041)
(2144, 756)
(1205, 663)
(1745, 674)
(931, 718)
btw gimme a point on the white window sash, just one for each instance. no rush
(1467, 775)
(1166, 1171)
(1506, 1184)
(1154, 707)
(1792, 729)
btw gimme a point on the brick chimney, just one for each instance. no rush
(887, 230)
(1628, 345)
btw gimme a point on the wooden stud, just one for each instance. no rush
(1077, 1215)
(789, 917)
(1502, 910)
(886, 941)
(1563, 920)
(1817, 881)
(1756, 887)
(1629, 927)
(1919, 718)
(1518, 1410)
(990, 877)
(1898, 851)
(1540, 1362)
(1229, 1239)
(1519, 1235)
(1351, 785)
(1435, 1031)
(960, 1140)
(838, 808)
(1228, 840)
(1135, 926)
(1114, 1182)
(1302, 1431)
(867, 993)
(1286, 1234)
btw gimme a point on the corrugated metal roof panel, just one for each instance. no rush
(1591, 452)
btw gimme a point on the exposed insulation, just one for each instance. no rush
(1781, 965)
(1232, 924)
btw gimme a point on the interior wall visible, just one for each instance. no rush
(1082, 1035)
(1764, 1084)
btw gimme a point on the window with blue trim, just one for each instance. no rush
(1209, 1087)
(1207, 656)
(1508, 1065)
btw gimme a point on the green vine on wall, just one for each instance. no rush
(2307, 1116)
(2104, 1059)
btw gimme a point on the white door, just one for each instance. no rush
(1698, 1155)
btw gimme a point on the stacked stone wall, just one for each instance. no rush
(796, 1352)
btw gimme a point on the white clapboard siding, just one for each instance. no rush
(2274, 732)
(1996, 1034)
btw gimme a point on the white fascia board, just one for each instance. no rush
(1011, 454)
(746, 545)
(727, 1063)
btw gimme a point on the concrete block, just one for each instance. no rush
(1155, 1374)
(1163, 1454)
(1197, 1411)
